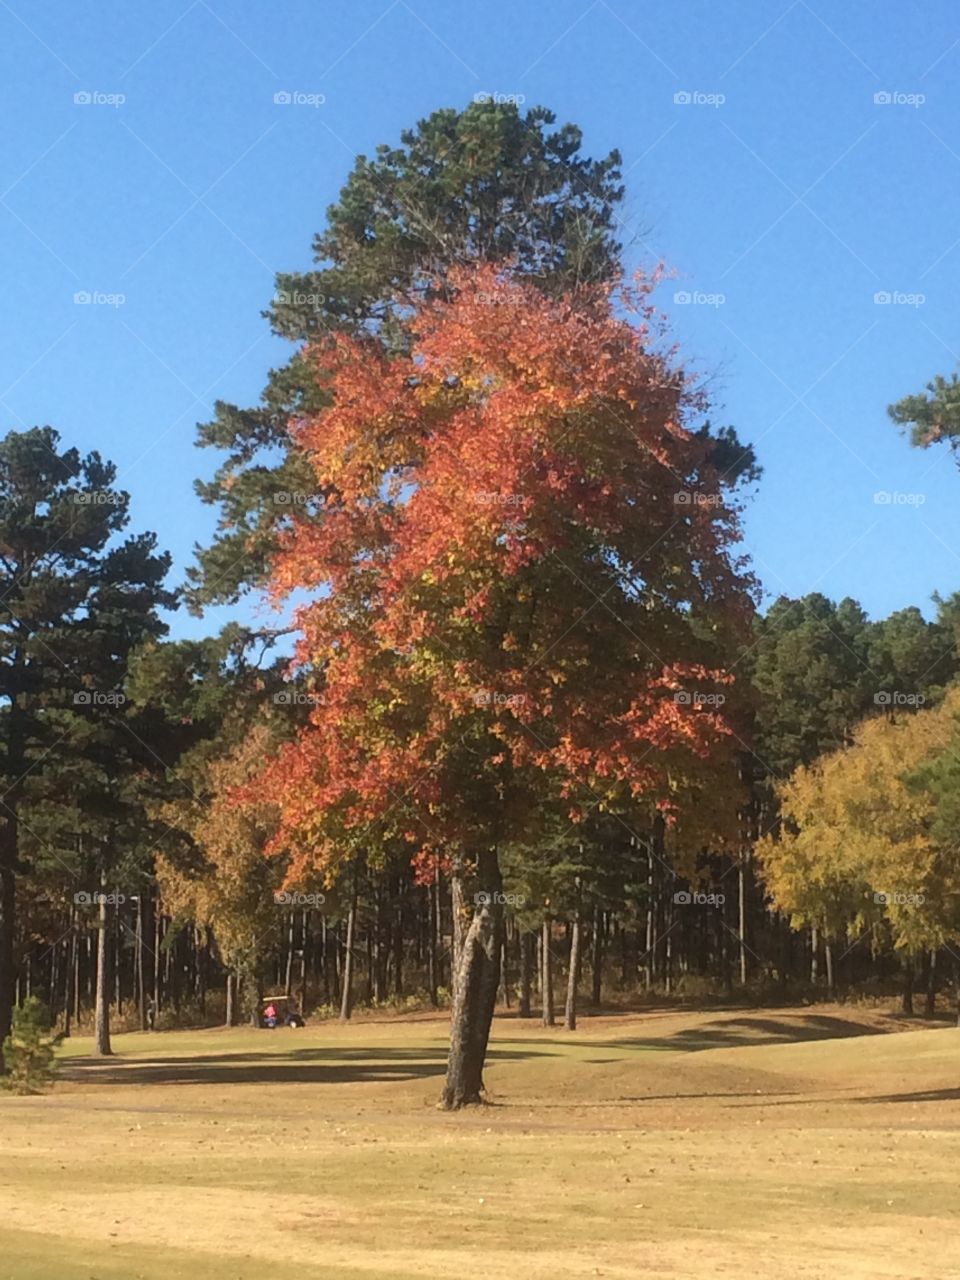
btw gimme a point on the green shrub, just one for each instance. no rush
(28, 1049)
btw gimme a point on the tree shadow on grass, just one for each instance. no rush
(726, 1033)
(924, 1095)
(297, 1066)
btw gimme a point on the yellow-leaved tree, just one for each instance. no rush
(858, 851)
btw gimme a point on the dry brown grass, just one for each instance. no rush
(807, 1143)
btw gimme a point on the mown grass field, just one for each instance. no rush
(814, 1143)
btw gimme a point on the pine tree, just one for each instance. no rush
(28, 1051)
(76, 601)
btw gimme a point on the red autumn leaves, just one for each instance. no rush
(507, 591)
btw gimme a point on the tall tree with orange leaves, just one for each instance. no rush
(523, 590)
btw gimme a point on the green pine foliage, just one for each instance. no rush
(28, 1051)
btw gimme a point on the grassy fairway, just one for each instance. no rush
(784, 1144)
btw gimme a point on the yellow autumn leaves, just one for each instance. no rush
(858, 846)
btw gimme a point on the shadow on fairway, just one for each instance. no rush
(297, 1066)
(925, 1095)
(726, 1033)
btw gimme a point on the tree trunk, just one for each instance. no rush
(305, 941)
(76, 976)
(141, 982)
(230, 1016)
(346, 1000)
(8, 904)
(570, 1012)
(657, 925)
(116, 962)
(377, 951)
(157, 966)
(526, 957)
(828, 964)
(398, 937)
(71, 974)
(291, 947)
(650, 940)
(251, 989)
(102, 1019)
(930, 1007)
(907, 1005)
(546, 960)
(433, 928)
(457, 914)
(814, 956)
(475, 990)
(596, 963)
(742, 904)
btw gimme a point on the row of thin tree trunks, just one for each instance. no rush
(317, 954)
(139, 959)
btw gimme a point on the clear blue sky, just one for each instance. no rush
(797, 198)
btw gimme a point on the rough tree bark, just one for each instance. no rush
(546, 960)
(475, 989)
(8, 905)
(230, 1013)
(596, 963)
(742, 912)
(526, 965)
(907, 1005)
(570, 1011)
(458, 912)
(930, 1007)
(304, 951)
(291, 947)
(346, 999)
(102, 1019)
(141, 984)
(71, 975)
(433, 929)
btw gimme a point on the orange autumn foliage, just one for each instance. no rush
(521, 556)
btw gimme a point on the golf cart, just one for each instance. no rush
(280, 1011)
